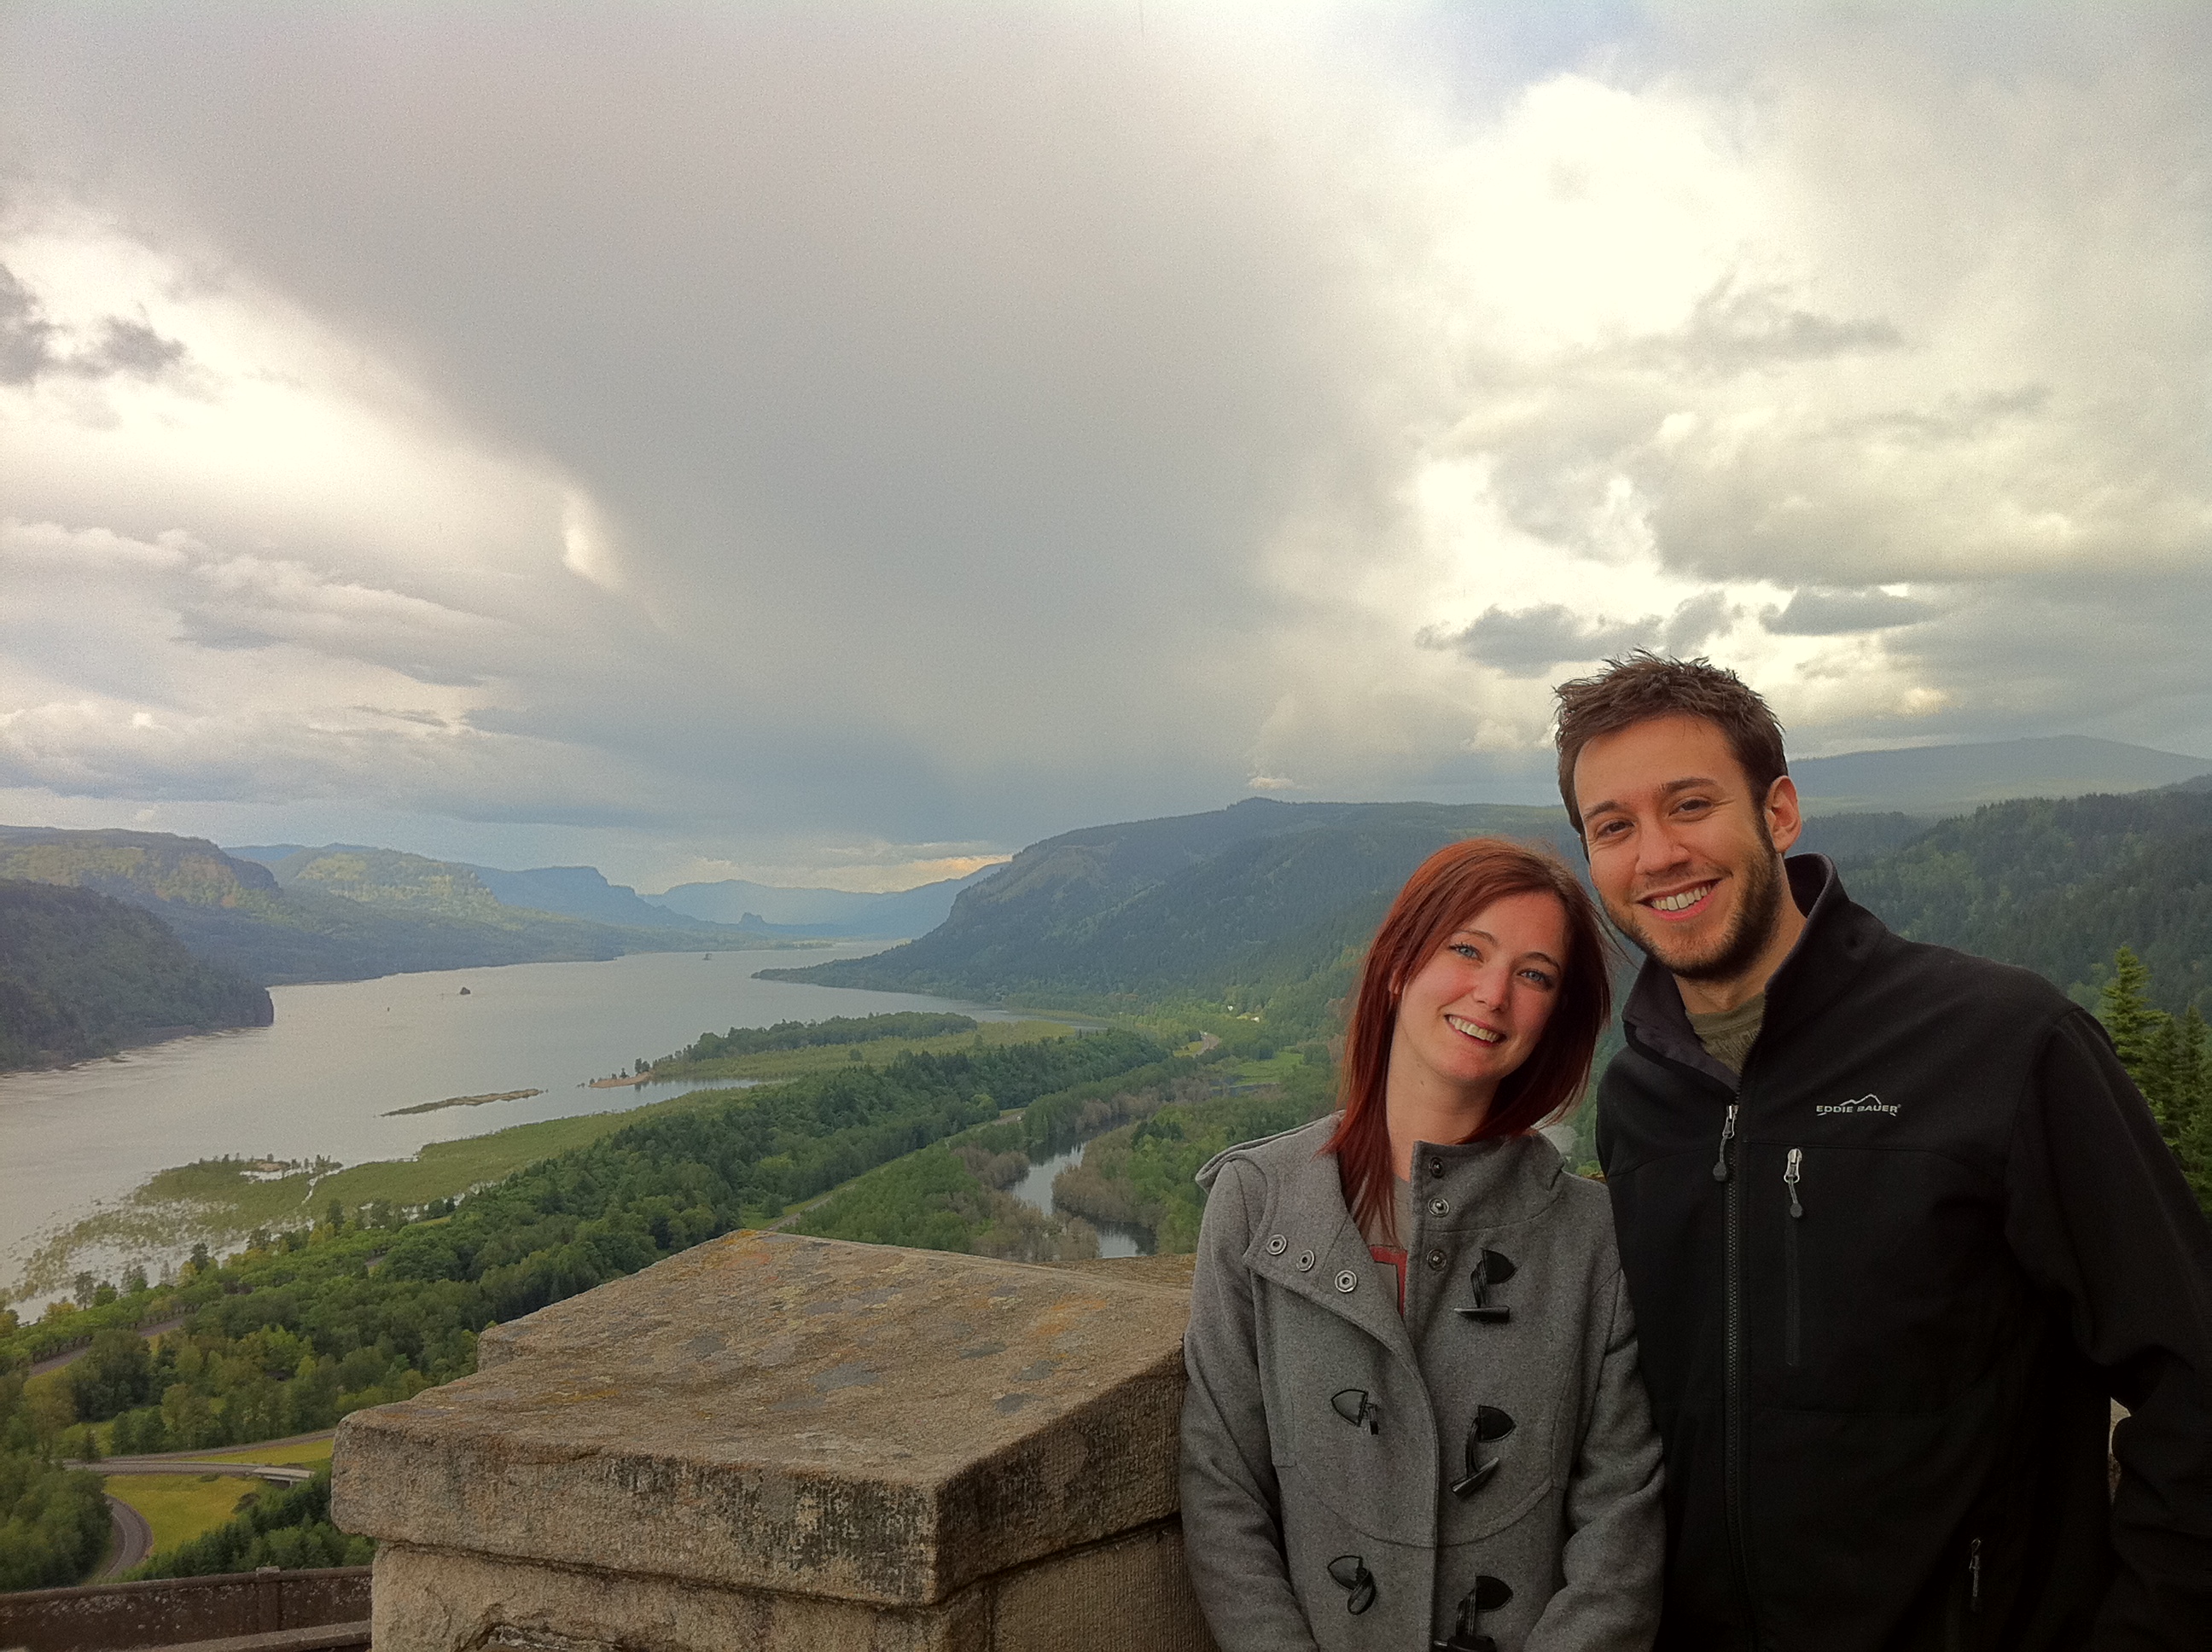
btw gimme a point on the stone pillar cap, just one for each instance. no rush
(859, 1422)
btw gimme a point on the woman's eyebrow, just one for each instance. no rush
(1485, 935)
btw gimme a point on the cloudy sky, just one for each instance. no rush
(825, 442)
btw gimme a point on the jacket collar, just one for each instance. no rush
(1488, 1184)
(1839, 938)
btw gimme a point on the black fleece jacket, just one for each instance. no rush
(1886, 1286)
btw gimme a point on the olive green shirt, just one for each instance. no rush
(1728, 1034)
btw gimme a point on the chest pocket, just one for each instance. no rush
(1348, 1424)
(1879, 1276)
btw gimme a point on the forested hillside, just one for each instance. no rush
(1266, 904)
(1260, 896)
(345, 916)
(82, 974)
(2060, 887)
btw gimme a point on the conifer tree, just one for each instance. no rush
(2127, 1014)
(2170, 1058)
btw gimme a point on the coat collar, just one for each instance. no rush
(1838, 937)
(1487, 1184)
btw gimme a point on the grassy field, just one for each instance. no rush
(795, 1064)
(180, 1507)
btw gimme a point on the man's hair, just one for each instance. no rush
(1642, 685)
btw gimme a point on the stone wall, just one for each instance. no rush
(771, 1442)
(169, 1611)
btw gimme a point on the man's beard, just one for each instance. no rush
(1759, 905)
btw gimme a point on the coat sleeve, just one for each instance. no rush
(2101, 1219)
(1232, 1526)
(1616, 1541)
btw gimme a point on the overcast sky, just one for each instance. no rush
(831, 443)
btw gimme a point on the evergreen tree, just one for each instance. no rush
(2127, 1014)
(2170, 1058)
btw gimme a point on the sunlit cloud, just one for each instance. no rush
(845, 454)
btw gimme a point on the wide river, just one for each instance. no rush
(342, 1055)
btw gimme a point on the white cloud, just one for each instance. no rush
(779, 436)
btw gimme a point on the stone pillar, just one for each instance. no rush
(771, 1442)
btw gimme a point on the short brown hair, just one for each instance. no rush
(1446, 890)
(1640, 686)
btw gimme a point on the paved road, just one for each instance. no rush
(55, 1362)
(206, 1451)
(134, 1538)
(274, 1474)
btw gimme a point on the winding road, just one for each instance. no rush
(134, 1539)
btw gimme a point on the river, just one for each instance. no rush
(1035, 1190)
(342, 1055)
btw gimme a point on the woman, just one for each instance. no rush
(1415, 1419)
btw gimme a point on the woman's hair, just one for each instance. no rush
(1450, 887)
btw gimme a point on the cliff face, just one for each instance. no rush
(82, 974)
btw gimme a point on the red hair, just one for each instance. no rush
(1448, 888)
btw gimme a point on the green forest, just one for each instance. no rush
(367, 1307)
(810, 1035)
(82, 975)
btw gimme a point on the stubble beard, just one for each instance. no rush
(1747, 937)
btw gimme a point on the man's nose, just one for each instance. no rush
(1657, 848)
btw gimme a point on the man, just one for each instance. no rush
(1897, 1229)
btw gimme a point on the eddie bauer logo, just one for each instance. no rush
(1866, 1103)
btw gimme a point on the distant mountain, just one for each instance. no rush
(1261, 893)
(581, 892)
(1270, 902)
(819, 912)
(270, 854)
(82, 974)
(336, 914)
(1950, 780)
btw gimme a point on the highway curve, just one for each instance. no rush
(134, 1539)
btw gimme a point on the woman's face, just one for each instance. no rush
(1476, 1010)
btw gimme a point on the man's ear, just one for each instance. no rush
(1786, 822)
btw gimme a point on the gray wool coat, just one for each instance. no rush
(1323, 1435)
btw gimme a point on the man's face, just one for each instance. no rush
(1684, 852)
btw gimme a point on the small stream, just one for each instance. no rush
(1115, 1238)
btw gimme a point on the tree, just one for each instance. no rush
(114, 1375)
(2126, 1012)
(2170, 1058)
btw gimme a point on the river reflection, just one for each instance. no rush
(1115, 1238)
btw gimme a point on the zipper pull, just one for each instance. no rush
(1728, 1135)
(1974, 1576)
(1792, 1175)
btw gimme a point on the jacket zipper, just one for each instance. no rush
(1794, 1312)
(1974, 1576)
(1732, 1432)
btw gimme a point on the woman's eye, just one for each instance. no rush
(1468, 949)
(1539, 977)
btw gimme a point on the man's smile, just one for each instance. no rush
(1676, 902)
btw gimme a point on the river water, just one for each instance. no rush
(343, 1054)
(1034, 1189)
